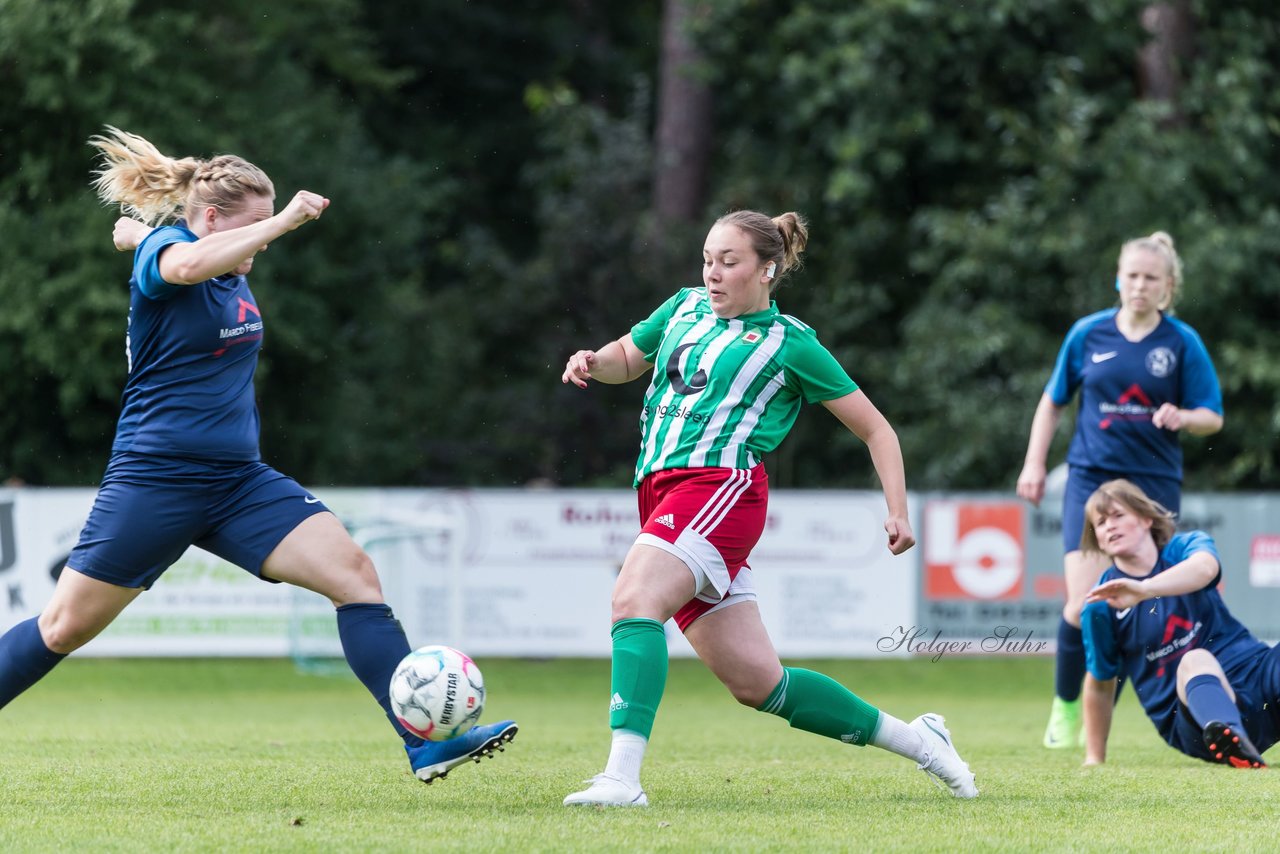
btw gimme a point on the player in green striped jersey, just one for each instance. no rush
(730, 375)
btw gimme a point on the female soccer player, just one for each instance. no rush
(1143, 377)
(732, 374)
(185, 468)
(1210, 687)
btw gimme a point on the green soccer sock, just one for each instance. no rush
(819, 704)
(639, 674)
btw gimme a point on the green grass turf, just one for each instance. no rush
(235, 755)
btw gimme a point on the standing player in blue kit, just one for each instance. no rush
(185, 468)
(1143, 378)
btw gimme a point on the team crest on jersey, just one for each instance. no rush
(1161, 361)
(752, 337)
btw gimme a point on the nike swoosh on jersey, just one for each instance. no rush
(1102, 357)
(1120, 614)
(311, 500)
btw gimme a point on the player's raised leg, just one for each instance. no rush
(320, 555)
(733, 642)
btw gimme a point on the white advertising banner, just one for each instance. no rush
(495, 572)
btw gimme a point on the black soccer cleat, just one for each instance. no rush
(1230, 746)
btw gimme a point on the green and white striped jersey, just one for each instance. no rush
(726, 392)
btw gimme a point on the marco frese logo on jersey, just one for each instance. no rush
(244, 331)
(1170, 647)
(1133, 405)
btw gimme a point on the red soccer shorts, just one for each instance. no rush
(710, 518)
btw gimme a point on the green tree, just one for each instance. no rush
(971, 171)
(274, 88)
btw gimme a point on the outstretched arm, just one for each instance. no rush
(616, 362)
(859, 414)
(223, 251)
(1187, 576)
(1045, 421)
(1099, 702)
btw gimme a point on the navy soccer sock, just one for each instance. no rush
(1068, 675)
(24, 659)
(1208, 701)
(374, 643)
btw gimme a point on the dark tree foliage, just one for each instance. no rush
(969, 170)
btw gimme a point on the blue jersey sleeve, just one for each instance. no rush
(146, 260)
(1101, 651)
(1184, 545)
(1065, 378)
(1199, 380)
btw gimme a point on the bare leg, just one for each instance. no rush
(652, 585)
(1082, 570)
(80, 608)
(319, 555)
(1200, 662)
(735, 645)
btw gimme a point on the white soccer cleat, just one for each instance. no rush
(941, 759)
(608, 791)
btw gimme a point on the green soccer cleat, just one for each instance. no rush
(1064, 725)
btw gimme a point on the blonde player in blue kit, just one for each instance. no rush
(185, 467)
(731, 375)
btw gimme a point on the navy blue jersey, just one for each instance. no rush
(1146, 642)
(192, 352)
(1122, 383)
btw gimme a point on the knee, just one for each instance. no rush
(361, 579)
(63, 632)
(752, 687)
(622, 607)
(630, 603)
(750, 694)
(1196, 662)
(1071, 612)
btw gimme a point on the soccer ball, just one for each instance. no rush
(437, 693)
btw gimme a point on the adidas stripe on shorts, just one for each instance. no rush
(710, 518)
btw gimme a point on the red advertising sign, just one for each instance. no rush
(973, 550)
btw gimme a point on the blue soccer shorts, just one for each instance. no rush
(150, 509)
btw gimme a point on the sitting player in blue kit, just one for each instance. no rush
(1156, 617)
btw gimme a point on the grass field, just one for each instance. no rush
(114, 755)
